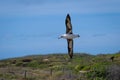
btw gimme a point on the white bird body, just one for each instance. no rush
(69, 36)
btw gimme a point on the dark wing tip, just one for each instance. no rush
(68, 16)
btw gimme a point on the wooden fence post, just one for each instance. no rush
(51, 72)
(25, 74)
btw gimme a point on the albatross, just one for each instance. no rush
(69, 36)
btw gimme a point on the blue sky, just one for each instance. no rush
(33, 26)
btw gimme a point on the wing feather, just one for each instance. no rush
(68, 24)
(70, 47)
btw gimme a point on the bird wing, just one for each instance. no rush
(68, 24)
(70, 47)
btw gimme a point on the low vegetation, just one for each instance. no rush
(59, 67)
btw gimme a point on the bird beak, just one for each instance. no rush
(59, 37)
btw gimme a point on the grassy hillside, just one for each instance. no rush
(60, 67)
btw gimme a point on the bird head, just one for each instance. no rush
(60, 37)
(78, 35)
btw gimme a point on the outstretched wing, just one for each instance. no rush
(70, 47)
(68, 24)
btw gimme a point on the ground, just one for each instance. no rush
(59, 67)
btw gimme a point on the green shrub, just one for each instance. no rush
(33, 64)
(86, 68)
(19, 64)
(79, 67)
(97, 74)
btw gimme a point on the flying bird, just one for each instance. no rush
(69, 36)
